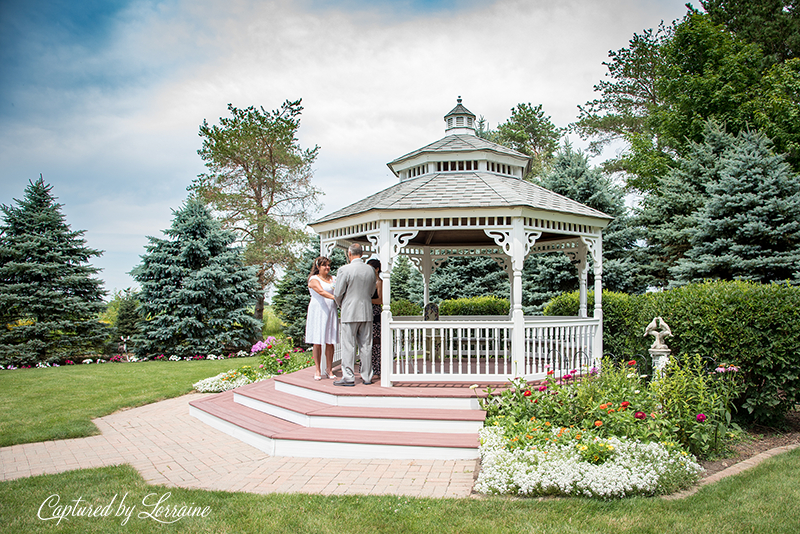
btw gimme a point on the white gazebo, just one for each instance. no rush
(465, 196)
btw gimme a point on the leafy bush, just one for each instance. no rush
(749, 325)
(488, 305)
(279, 356)
(405, 307)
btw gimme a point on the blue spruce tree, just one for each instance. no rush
(49, 299)
(196, 294)
(748, 227)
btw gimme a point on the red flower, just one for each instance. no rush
(640, 415)
(625, 404)
(550, 372)
(527, 393)
(632, 362)
(598, 423)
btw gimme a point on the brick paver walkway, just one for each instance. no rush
(169, 447)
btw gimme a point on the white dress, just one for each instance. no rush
(322, 322)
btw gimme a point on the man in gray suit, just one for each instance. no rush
(355, 284)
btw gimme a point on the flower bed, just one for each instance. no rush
(628, 467)
(609, 434)
(277, 356)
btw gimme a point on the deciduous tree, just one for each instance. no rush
(259, 180)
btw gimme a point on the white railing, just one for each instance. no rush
(451, 350)
(560, 344)
(480, 349)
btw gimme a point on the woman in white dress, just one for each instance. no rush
(322, 324)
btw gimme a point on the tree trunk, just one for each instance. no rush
(259, 314)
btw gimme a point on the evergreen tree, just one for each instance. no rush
(128, 317)
(465, 277)
(548, 275)
(401, 275)
(748, 228)
(197, 295)
(669, 213)
(49, 300)
(291, 297)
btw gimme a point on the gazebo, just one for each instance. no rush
(465, 196)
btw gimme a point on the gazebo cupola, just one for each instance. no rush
(460, 120)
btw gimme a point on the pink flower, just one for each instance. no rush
(542, 388)
(567, 377)
(639, 415)
(701, 417)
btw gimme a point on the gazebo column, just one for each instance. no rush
(384, 247)
(427, 269)
(595, 247)
(518, 247)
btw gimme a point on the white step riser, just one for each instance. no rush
(397, 425)
(261, 443)
(436, 403)
(276, 411)
(319, 449)
(361, 423)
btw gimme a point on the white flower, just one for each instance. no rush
(473, 386)
(635, 391)
(87, 361)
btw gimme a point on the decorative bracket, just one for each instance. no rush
(502, 239)
(401, 239)
(530, 239)
(593, 245)
(327, 248)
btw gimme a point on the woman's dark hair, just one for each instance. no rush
(319, 262)
(375, 264)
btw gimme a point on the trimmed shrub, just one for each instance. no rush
(474, 306)
(750, 325)
(405, 307)
(618, 320)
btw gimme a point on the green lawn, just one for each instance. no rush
(60, 402)
(765, 499)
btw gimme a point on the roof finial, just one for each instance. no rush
(459, 99)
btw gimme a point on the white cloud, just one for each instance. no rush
(375, 82)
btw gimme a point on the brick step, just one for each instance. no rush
(263, 396)
(278, 437)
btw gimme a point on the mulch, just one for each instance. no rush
(759, 439)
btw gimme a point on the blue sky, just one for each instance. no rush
(104, 98)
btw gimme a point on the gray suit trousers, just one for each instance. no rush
(360, 335)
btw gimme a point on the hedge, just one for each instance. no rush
(474, 306)
(753, 326)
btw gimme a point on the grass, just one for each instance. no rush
(765, 499)
(60, 402)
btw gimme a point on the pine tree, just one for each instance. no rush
(49, 301)
(197, 296)
(291, 297)
(749, 226)
(128, 318)
(547, 275)
(669, 214)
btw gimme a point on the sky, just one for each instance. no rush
(104, 98)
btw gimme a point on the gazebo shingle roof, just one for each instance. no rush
(461, 143)
(464, 190)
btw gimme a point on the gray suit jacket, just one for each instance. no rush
(355, 284)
